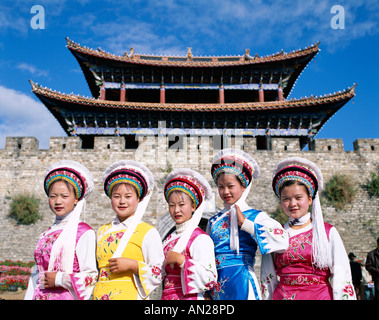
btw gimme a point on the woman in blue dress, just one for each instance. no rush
(238, 230)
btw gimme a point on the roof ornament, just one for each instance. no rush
(131, 54)
(247, 55)
(189, 54)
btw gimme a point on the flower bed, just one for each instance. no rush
(14, 273)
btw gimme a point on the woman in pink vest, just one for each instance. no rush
(65, 259)
(189, 252)
(315, 265)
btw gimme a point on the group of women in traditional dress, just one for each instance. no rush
(304, 259)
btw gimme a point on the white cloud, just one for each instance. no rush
(168, 26)
(11, 21)
(120, 36)
(20, 115)
(32, 69)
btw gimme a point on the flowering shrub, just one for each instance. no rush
(340, 191)
(24, 209)
(14, 273)
(15, 270)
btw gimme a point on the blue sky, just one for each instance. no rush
(224, 27)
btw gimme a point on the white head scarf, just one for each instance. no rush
(125, 169)
(63, 249)
(239, 163)
(308, 173)
(187, 180)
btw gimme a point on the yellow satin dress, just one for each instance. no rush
(120, 286)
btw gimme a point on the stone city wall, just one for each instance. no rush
(23, 164)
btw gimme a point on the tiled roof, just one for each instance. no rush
(195, 107)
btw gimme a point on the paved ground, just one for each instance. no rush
(7, 295)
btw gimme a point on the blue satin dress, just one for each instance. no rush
(236, 277)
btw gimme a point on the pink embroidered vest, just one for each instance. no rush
(299, 279)
(173, 289)
(42, 258)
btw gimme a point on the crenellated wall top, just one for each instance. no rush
(24, 145)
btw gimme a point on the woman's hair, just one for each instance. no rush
(292, 182)
(128, 185)
(70, 187)
(181, 194)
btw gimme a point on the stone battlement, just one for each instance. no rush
(69, 144)
(23, 164)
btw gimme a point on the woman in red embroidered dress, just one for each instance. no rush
(315, 265)
(189, 252)
(65, 266)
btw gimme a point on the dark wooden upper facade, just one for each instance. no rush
(239, 95)
(143, 75)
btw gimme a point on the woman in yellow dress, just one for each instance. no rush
(129, 252)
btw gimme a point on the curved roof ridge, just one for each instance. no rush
(193, 60)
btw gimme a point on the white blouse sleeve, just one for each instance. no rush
(269, 234)
(199, 272)
(341, 281)
(150, 273)
(269, 279)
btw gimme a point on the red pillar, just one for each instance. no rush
(122, 93)
(102, 92)
(163, 94)
(280, 93)
(261, 94)
(221, 95)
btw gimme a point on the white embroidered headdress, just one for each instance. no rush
(138, 175)
(245, 168)
(63, 250)
(197, 188)
(309, 174)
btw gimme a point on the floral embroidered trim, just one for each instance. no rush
(303, 280)
(348, 291)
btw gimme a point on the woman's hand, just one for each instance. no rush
(118, 265)
(175, 257)
(49, 280)
(240, 217)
